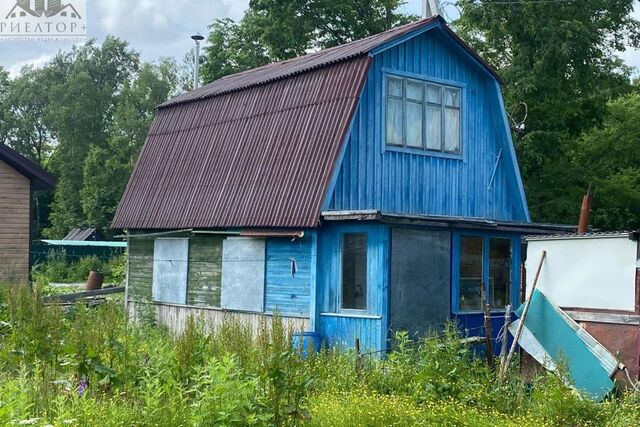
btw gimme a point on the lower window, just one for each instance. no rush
(354, 271)
(484, 262)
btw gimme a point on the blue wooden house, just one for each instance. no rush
(360, 190)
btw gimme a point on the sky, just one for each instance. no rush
(159, 28)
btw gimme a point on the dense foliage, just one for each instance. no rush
(275, 30)
(84, 116)
(559, 58)
(60, 268)
(91, 367)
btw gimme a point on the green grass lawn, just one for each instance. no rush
(88, 367)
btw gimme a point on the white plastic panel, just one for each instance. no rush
(243, 269)
(596, 273)
(170, 266)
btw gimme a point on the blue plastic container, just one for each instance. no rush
(307, 341)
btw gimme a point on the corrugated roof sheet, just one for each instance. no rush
(80, 234)
(589, 235)
(261, 157)
(255, 149)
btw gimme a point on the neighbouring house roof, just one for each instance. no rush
(257, 148)
(81, 234)
(40, 179)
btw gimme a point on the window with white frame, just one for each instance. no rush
(423, 115)
(170, 266)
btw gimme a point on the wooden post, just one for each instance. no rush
(505, 336)
(358, 357)
(486, 309)
(516, 337)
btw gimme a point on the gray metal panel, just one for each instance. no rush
(170, 261)
(420, 280)
(243, 267)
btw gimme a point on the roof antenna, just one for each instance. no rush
(430, 8)
(196, 75)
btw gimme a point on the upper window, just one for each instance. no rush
(423, 115)
(354, 271)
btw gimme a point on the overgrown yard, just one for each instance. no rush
(91, 367)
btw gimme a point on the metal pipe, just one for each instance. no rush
(196, 75)
(585, 213)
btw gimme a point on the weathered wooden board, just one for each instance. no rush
(175, 317)
(15, 202)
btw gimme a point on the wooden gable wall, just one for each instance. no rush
(483, 182)
(15, 203)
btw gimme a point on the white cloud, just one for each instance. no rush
(37, 62)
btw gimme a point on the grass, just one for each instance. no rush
(87, 367)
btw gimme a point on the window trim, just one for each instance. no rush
(455, 268)
(462, 87)
(339, 308)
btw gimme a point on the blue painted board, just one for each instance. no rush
(483, 182)
(288, 293)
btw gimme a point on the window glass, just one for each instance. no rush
(433, 94)
(499, 272)
(452, 130)
(471, 249)
(394, 87)
(354, 271)
(394, 121)
(423, 115)
(434, 123)
(414, 125)
(414, 90)
(170, 259)
(452, 97)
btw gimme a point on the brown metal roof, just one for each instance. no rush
(261, 157)
(254, 149)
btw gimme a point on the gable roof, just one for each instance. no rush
(305, 63)
(257, 148)
(40, 179)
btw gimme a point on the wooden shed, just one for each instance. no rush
(360, 190)
(19, 178)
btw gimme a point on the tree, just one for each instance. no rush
(25, 129)
(275, 30)
(609, 157)
(559, 59)
(81, 111)
(107, 168)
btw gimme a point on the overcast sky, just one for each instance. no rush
(156, 28)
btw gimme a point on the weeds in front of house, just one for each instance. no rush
(89, 366)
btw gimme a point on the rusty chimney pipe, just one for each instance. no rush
(585, 212)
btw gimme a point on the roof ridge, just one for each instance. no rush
(297, 65)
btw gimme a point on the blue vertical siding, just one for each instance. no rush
(372, 176)
(343, 326)
(287, 294)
